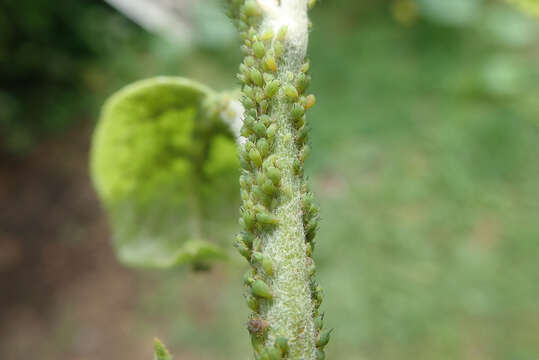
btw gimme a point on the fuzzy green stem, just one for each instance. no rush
(279, 219)
(291, 314)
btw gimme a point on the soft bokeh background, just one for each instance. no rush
(425, 163)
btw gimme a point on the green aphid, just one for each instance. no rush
(273, 353)
(249, 145)
(266, 219)
(311, 267)
(259, 97)
(314, 210)
(257, 192)
(300, 122)
(309, 102)
(282, 344)
(318, 296)
(264, 262)
(259, 129)
(251, 8)
(257, 342)
(310, 231)
(244, 182)
(306, 203)
(252, 112)
(264, 105)
(305, 67)
(271, 88)
(243, 154)
(289, 76)
(290, 92)
(247, 238)
(268, 77)
(242, 78)
(313, 285)
(265, 119)
(269, 188)
(270, 63)
(248, 278)
(302, 82)
(242, 249)
(311, 4)
(245, 131)
(252, 33)
(271, 131)
(249, 121)
(297, 110)
(263, 147)
(309, 251)
(296, 166)
(248, 91)
(311, 220)
(323, 339)
(274, 175)
(267, 35)
(267, 265)
(302, 135)
(160, 351)
(259, 50)
(246, 165)
(319, 321)
(306, 151)
(281, 34)
(260, 289)
(247, 102)
(271, 161)
(249, 62)
(243, 68)
(320, 354)
(255, 157)
(257, 244)
(252, 303)
(259, 208)
(266, 200)
(278, 48)
(245, 49)
(256, 76)
(260, 179)
(264, 355)
(249, 219)
(257, 256)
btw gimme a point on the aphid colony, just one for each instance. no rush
(264, 86)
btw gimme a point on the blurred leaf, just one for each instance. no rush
(165, 167)
(501, 76)
(405, 11)
(454, 12)
(510, 27)
(212, 29)
(529, 6)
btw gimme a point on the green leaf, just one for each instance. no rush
(165, 166)
(160, 351)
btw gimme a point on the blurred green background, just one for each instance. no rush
(425, 163)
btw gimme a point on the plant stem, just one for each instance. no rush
(279, 219)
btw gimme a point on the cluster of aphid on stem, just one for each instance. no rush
(272, 186)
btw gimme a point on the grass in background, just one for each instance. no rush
(425, 143)
(427, 175)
